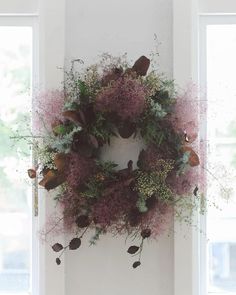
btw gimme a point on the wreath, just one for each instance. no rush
(106, 100)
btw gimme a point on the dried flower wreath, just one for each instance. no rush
(114, 99)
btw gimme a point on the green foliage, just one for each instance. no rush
(183, 163)
(157, 110)
(84, 91)
(102, 129)
(151, 131)
(62, 130)
(141, 204)
(152, 82)
(62, 144)
(96, 236)
(150, 125)
(93, 188)
(168, 86)
(95, 185)
(71, 105)
(107, 168)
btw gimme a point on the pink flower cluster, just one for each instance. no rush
(71, 204)
(111, 209)
(183, 184)
(124, 97)
(48, 108)
(158, 219)
(79, 169)
(185, 114)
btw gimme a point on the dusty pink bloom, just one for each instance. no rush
(79, 169)
(185, 116)
(158, 219)
(202, 178)
(72, 204)
(124, 97)
(48, 107)
(184, 184)
(53, 227)
(113, 208)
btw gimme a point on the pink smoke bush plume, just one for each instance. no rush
(48, 108)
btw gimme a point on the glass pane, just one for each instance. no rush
(221, 92)
(15, 197)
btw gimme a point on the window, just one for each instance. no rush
(191, 20)
(17, 223)
(218, 47)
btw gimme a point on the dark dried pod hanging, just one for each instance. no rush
(57, 247)
(58, 261)
(82, 221)
(146, 233)
(31, 173)
(136, 264)
(133, 249)
(75, 244)
(195, 191)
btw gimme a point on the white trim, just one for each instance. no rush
(190, 249)
(202, 219)
(19, 14)
(217, 6)
(216, 14)
(216, 19)
(51, 57)
(18, 20)
(185, 69)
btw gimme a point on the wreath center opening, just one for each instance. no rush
(122, 150)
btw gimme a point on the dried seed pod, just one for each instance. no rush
(57, 247)
(133, 249)
(75, 244)
(146, 233)
(31, 173)
(136, 264)
(82, 221)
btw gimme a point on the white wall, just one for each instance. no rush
(217, 6)
(16, 6)
(118, 26)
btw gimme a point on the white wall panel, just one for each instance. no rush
(18, 6)
(217, 6)
(94, 27)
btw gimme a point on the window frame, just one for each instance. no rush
(31, 21)
(205, 20)
(185, 48)
(190, 257)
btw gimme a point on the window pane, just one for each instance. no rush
(15, 196)
(221, 92)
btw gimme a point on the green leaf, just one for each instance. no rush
(141, 205)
